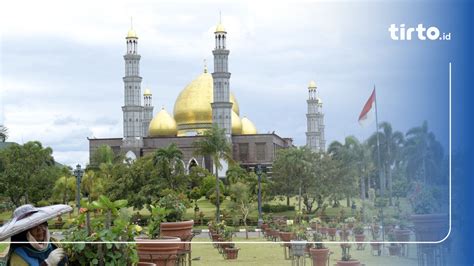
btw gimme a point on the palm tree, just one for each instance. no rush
(391, 144)
(423, 152)
(169, 163)
(349, 154)
(3, 133)
(215, 145)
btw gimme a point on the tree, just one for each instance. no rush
(391, 144)
(170, 166)
(28, 173)
(242, 202)
(65, 188)
(424, 154)
(215, 144)
(103, 154)
(3, 133)
(347, 154)
(288, 169)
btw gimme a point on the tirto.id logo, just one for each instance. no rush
(401, 33)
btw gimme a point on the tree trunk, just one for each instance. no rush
(218, 218)
(287, 200)
(348, 201)
(362, 188)
(389, 181)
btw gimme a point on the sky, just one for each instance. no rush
(61, 65)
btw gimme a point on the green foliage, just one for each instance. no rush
(359, 229)
(158, 215)
(277, 208)
(346, 256)
(174, 205)
(27, 173)
(170, 167)
(3, 133)
(318, 237)
(208, 186)
(426, 201)
(117, 228)
(103, 154)
(64, 189)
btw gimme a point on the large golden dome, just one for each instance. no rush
(192, 109)
(162, 125)
(236, 124)
(248, 128)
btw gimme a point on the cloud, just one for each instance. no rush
(62, 71)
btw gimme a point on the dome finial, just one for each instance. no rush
(220, 27)
(131, 31)
(205, 66)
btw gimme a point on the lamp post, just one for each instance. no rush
(78, 173)
(259, 171)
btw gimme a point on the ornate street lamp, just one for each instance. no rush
(78, 173)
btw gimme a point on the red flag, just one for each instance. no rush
(366, 115)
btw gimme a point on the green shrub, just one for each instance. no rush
(277, 208)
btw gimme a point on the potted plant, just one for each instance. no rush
(346, 259)
(430, 224)
(155, 248)
(402, 233)
(359, 236)
(344, 233)
(115, 227)
(315, 223)
(393, 249)
(298, 245)
(319, 253)
(350, 222)
(332, 229)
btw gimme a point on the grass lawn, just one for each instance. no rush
(3, 246)
(269, 253)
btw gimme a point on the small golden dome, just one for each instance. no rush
(220, 28)
(147, 92)
(312, 85)
(162, 125)
(236, 124)
(132, 34)
(248, 127)
(320, 101)
(192, 109)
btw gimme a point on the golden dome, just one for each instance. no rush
(162, 125)
(248, 127)
(147, 92)
(192, 109)
(312, 84)
(132, 34)
(236, 124)
(220, 28)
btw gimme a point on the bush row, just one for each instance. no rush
(277, 208)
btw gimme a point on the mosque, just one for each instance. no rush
(207, 100)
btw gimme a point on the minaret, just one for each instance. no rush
(132, 109)
(315, 121)
(147, 111)
(221, 107)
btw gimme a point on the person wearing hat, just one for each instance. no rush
(30, 238)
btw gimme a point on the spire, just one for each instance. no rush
(131, 31)
(205, 66)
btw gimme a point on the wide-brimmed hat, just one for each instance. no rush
(27, 216)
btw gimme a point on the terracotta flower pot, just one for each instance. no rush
(231, 253)
(286, 236)
(332, 232)
(430, 227)
(183, 230)
(360, 238)
(402, 235)
(348, 263)
(320, 256)
(162, 251)
(394, 250)
(146, 264)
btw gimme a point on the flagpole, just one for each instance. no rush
(382, 186)
(381, 179)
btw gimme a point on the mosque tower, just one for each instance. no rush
(221, 106)
(147, 111)
(315, 121)
(132, 109)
